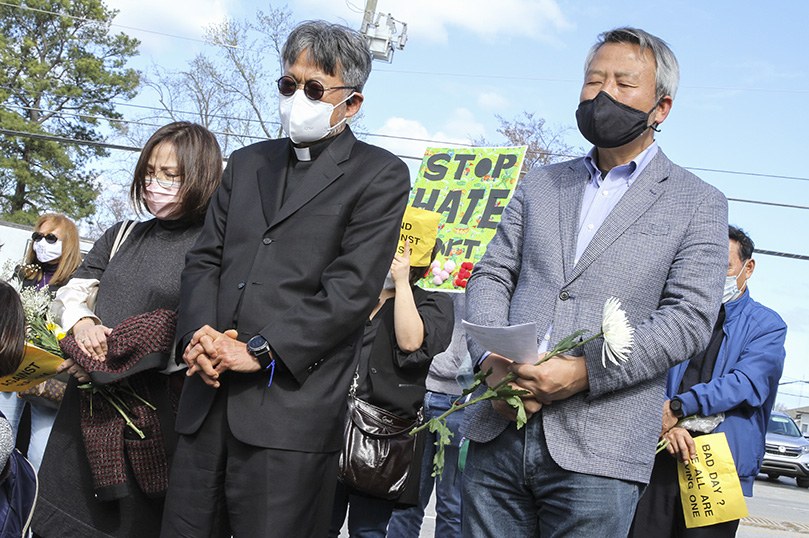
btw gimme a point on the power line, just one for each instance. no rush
(767, 203)
(397, 71)
(782, 254)
(227, 133)
(54, 138)
(746, 173)
(396, 137)
(98, 21)
(131, 122)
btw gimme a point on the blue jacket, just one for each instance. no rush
(744, 382)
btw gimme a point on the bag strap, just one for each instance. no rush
(123, 232)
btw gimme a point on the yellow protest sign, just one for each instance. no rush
(469, 188)
(709, 486)
(37, 366)
(420, 227)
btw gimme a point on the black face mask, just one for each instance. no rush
(607, 123)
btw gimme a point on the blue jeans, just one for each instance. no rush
(367, 516)
(406, 523)
(512, 487)
(42, 419)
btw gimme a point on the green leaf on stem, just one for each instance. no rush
(569, 342)
(480, 378)
(516, 403)
(443, 438)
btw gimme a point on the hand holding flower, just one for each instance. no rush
(558, 378)
(500, 368)
(525, 388)
(681, 444)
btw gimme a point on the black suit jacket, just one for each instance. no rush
(305, 275)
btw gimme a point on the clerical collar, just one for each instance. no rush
(311, 153)
(303, 154)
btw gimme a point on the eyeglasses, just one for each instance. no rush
(50, 238)
(311, 88)
(168, 181)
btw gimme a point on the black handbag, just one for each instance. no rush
(378, 450)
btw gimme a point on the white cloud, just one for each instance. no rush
(492, 101)
(459, 128)
(429, 20)
(185, 18)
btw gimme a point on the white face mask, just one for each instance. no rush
(305, 120)
(47, 252)
(162, 203)
(732, 291)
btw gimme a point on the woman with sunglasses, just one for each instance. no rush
(53, 254)
(51, 259)
(178, 170)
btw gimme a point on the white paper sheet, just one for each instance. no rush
(516, 342)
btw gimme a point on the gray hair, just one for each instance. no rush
(334, 49)
(667, 70)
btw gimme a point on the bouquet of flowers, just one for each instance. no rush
(42, 330)
(618, 339)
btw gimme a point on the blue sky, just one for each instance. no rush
(740, 107)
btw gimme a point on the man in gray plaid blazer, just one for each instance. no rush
(622, 222)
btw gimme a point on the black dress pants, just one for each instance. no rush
(220, 487)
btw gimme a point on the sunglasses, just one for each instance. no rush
(313, 89)
(50, 238)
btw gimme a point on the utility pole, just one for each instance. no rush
(382, 36)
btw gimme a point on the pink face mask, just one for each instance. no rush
(162, 203)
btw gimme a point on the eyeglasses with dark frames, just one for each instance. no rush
(313, 89)
(50, 238)
(168, 181)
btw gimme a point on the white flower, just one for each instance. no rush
(617, 333)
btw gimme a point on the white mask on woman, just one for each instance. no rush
(162, 203)
(47, 252)
(305, 120)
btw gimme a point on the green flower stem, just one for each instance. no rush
(129, 390)
(491, 393)
(109, 394)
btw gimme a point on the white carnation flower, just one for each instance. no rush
(618, 333)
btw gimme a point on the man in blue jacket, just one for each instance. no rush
(737, 374)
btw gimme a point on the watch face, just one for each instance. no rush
(256, 343)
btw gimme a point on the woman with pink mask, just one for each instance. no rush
(134, 268)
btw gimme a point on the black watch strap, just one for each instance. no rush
(676, 406)
(260, 349)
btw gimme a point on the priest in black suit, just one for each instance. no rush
(295, 247)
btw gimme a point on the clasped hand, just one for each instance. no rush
(210, 353)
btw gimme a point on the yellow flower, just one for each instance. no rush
(59, 336)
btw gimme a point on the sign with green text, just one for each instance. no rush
(470, 188)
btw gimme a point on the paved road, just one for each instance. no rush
(777, 509)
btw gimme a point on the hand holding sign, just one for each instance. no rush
(400, 267)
